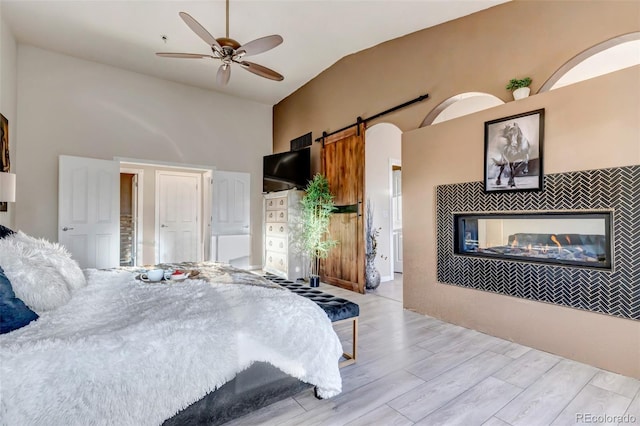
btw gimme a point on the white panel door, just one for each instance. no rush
(397, 251)
(88, 210)
(231, 241)
(178, 207)
(396, 193)
(231, 203)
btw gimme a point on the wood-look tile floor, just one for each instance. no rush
(414, 369)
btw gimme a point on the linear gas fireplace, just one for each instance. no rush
(578, 238)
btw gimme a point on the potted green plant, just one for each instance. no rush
(317, 207)
(520, 87)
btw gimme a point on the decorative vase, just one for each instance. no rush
(314, 280)
(521, 93)
(371, 274)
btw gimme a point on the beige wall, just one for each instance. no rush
(480, 53)
(476, 53)
(8, 104)
(589, 125)
(75, 107)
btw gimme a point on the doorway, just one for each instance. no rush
(149, 238)
(396, 215)
(128, 226)
(131, 217)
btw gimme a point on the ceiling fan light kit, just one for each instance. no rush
(229, 51)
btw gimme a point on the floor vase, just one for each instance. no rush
(371, 274)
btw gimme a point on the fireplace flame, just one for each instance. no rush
(546, 248)
(555, 240)
(529, 248)
(514, 244)
(566, 237)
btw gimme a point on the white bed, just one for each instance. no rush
(122, 351)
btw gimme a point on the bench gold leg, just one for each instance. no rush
(350, 358)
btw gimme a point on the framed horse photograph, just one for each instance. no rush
(513, 153)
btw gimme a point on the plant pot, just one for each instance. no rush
(314, 280)
(521, 93)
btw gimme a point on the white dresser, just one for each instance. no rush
(282, 254)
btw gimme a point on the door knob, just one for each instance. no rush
(163, 226)
(67, 229)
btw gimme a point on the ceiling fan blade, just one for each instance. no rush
(224, 72)
(262, 71)
(260, 45)
(199, 30)
(183, 55)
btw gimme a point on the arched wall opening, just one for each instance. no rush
(382, 154)
(611, 55)
(460, 105)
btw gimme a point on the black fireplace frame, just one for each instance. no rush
(607, 216)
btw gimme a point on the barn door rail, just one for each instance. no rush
(361, 120)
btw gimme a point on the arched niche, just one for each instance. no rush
(603, 58)
(459, 105)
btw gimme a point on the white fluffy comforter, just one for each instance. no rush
(129, 353)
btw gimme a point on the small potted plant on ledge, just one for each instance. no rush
(520, 87)
(317, 207)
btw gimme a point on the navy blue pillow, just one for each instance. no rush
(5, 232)
(14, 314)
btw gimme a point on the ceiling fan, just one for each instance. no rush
(229, 51)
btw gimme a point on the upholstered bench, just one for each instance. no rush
(337, 309)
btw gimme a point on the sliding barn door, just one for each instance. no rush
(343, 165)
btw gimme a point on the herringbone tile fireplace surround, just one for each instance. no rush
(615, 292)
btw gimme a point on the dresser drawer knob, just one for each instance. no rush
(282, 229)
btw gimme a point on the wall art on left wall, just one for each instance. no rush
(4, 152)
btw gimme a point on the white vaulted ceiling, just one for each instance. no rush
(126, 34)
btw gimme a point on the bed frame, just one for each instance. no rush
(262, 384)
(258, 386)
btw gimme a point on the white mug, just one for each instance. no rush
(153, 275)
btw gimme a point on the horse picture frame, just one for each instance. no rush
(513, 158)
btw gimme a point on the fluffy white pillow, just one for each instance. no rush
(35, 280)
(58, 257)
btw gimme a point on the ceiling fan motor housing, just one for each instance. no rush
(228, 42)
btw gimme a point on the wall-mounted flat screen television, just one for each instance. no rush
(286, 170)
